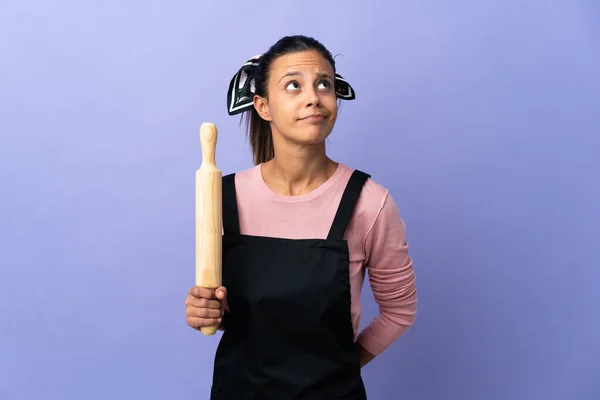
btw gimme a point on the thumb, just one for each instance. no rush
(221, 294)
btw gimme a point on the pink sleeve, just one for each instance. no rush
(392, 280)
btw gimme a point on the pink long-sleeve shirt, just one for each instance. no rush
(376, 238)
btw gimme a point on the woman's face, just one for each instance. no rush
(301, 103)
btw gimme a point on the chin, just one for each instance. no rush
(313, 135)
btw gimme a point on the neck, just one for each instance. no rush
(297, 170)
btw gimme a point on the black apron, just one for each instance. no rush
(289, 335)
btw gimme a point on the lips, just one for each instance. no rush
(314, 117)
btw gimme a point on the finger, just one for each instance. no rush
(202, 293)
(221, 293)
(203, 303)
(198, 323)
(203, 312)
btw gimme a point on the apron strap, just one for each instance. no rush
(346, 207)
(231, 223)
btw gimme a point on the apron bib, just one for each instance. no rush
(289, 335)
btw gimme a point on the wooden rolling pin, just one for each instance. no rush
(209, 216)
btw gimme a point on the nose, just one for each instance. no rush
(312, 98)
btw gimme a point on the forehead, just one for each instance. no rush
(305, 61)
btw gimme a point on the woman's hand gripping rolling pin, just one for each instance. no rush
(205, 307)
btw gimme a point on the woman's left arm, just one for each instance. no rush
(392, 280)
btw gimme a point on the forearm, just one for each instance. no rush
(392, 280)
(364, 356)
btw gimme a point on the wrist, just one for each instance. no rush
(364, 356)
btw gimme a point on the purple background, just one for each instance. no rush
(481, 117)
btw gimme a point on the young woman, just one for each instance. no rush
(300, 231)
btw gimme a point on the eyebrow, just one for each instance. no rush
(296, 73)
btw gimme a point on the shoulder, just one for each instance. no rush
(244, 174)
(246, 178)
(373, 197)
(375, 207)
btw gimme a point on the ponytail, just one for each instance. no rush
(260, 136)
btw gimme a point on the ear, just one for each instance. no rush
(262, 107)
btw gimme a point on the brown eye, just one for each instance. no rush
(292, 86)
(324, 85)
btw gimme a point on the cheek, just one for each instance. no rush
(288, 110)
(284, 113)
(275, 108)
(333, 117)
(332, 107)
(330, 101)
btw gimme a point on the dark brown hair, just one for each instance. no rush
(259, 130)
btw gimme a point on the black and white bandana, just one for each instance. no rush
(240, 96)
